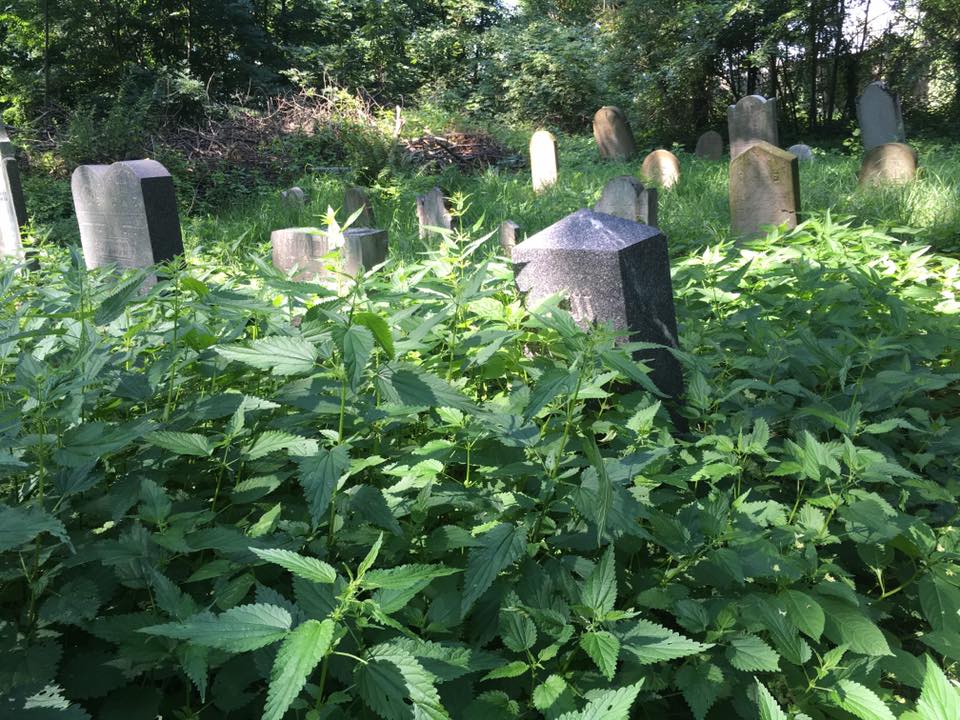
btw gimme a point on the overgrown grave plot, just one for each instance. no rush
(393, 508)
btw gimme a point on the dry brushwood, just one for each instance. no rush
(469, 151)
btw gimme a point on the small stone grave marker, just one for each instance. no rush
(432, 212)
(880, 117)
(295, 196)
(888, 164)
(752, 119)
(710, 146)
(509, 231)
(356, 198)
(543, 160)
(127, 213)
(305, 249)
(627, 198)
(613, 134)
(13, 211)
(764, 189)
(613, 271)
(661, 167)
(803, 152)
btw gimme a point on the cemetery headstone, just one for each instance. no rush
(543, 160)
(509, 231)
(803, 152)
(753, 119)
(764, 189)
(295, 196)
(613, 271)
(880, 117)
(356, 198)
(432, 212)
(710, 145)
(626, 197)
(13, 211)
(888, 163)
(613, 134)
(363, 249)
(305, 249)
(661, 167)
(127, 213)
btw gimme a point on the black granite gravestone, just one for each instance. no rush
(614, 271)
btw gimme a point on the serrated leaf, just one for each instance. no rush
(499, 548)
(652, 643)
(517, 630)
(861, 701)
(193, 662)
(392, 680)
(700, 685)
(510, 670)
(549, 386)
(19, 525)
(356, 345)
(306, 567)
(274, 440)
(319, 475)
(181, 443)
(599, 592)
(239, 629)
(411, 386)
(769, 709)
(296, 659)
(611, 704)
(751, 654)
(378, 326)
(114, 305)
(604, 649)
(939, 699)
(548, 692)
(399, 578)
(940, 602)
(850, 625)
(279, 354)
(805, 612)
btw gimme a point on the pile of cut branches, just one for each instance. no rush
(469, 151)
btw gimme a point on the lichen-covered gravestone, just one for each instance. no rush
(305, 249)
(127, 213)
(626, 197)
(803, 152)
(356, 198)
(294, 197)
(880, 117)
(432, 212)
(13, 211)
(764, 189)
(710, 146)
(661, 167)
(888, 163)
(753, 119)
(509, 231)
(543, 160)
(614, 272)
(613, 134)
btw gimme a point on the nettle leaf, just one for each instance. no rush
(448, 660)
(700, 684)
(769, 709)
(378, 326)
(181, 443)
(849, 625)
(356, 345)
(279, 354)
(517, 629)
(549, 386)
(751, 654)
(610, 704)
(392, 678)
(411, 386)
(319, 475)
(599, 592)
(652, 643)
(306, 567)
(939, 699)
(400, 578)
(510, 670)
(296, 659)
(239, 629)
(805, 612)
(20, 525)
(499, 548)
(274, 440)
(548, 692)
(604, 649)
(860, 701)
(940, 602)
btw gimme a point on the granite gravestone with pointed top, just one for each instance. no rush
(890, 163)
(880, 117)
(803, 152)
(356, 198)
(307, 250)
(662, 168)
(127, 213)
(509, 232)
(753, 119)
(628, 198)
(13, 210)
(709, 146)
(613, 134)
(614, 272)
(543, 160)
(433, 212)
(764, 189)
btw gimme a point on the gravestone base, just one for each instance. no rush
(306, 249)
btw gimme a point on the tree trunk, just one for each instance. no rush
(46, 52)
(837, 50)
(813, 22)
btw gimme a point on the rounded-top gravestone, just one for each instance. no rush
(764, 189)
(295, 196)
(880, 117)
(803, 152)
(710, 146)
(661, 167)
(888, 163)
(753, 119)
(613, 134)
(626, 197)
(543, 160)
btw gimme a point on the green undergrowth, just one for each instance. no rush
(236, 496)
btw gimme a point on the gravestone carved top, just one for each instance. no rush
(879, 116)
(661, 167)
(612, 132)
(710, 145)
(13, 210)
(628, 198)
(764, 189)
(888, 163)
(543, 160)
(433, 212)
(752, 119)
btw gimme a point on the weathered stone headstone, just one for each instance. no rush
(753, 119)
(710, 145)
(613, 134)
(543, 160)
(626, 197)
(803, 152)
(13, 211)
(888, 163)
(356, 198)
(879, 115)
(305, 249)
(509, 230)
(295, 196)
(127, 213)
(432, 212)
(363, 249)
(764, 189)
(613, 271)
(661, 167)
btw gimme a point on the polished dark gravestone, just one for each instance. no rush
(13, 211)
(127, 214)
(614, 272)
(305, 250)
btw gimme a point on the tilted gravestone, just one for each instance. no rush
(661, 167)
(888, 163)
(626, 197)
(509, 230)
(613, 134)
(753, 119)
(13, 210)
(710, 146)
(880, 117)
(803, 152)
(127, 213)
(432, 212)
(356, 198)
(295, 196)
(543, 160)
(614, 272)
(306, 249)
(764, 189)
